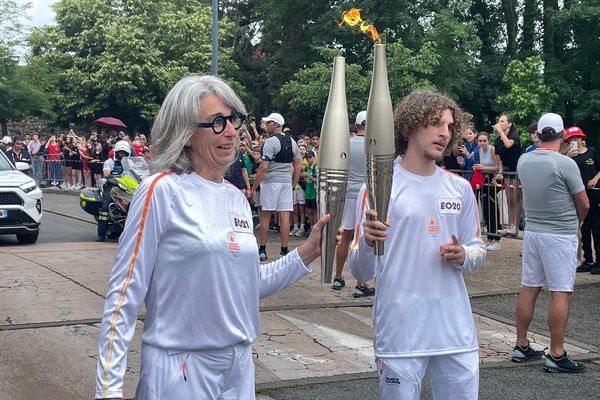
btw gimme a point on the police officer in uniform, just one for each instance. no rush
(112, 167)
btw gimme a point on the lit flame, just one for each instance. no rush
(352, 17)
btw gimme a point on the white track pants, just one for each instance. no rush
(452, 377)
(223, 374)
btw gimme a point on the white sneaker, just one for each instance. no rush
(299, 232)
(510, 231)
(293, 231)
(494, 246)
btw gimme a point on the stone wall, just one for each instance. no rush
(43, 126)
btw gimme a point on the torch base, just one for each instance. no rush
(331, 197)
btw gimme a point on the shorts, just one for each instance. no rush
(311, 204)
(349, 216)
(451, 376)
(299, 196)
(256, 198)
(96, 168)
(225, 374)
(549, 260)
(276, 196)
(77, 164)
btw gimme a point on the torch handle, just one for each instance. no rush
(380, 170)
(378, 249)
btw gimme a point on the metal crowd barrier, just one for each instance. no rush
(53, 170)
(500, 204)
(48, 169)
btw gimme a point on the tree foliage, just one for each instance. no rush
(529, 96)
(119, 58)
(21, 93)
(307, 91)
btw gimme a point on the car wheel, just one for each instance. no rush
(28, 238)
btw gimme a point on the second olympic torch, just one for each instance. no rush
(379, 140)
(333, 165)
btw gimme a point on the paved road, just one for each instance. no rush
(51, 296)
(505, 381)
(61, 210)
(584, 319)
(521, 382)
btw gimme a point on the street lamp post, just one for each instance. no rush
(215, 35)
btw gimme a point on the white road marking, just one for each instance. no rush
(365, 320)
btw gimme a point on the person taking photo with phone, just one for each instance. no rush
(588, 162)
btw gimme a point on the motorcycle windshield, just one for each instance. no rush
(137, 165)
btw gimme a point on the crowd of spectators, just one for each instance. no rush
(69, 161)
(488, 160)
(243, 172)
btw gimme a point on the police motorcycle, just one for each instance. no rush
(115, 193)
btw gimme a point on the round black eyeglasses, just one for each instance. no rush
(219, 123)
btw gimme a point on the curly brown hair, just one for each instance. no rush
(423, 108)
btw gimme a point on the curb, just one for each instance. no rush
(66, 192)
(283, 384)
(71, 217)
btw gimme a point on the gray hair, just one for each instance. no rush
(177, 118)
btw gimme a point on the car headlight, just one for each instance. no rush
(28, 187)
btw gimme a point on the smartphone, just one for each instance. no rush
(460, 142)
(574, 145)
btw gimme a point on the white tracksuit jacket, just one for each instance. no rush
(421, 305)
(189, 252)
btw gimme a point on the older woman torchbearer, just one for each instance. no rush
(333, 165)
(189, 253)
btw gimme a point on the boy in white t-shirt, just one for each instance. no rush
(422, 315)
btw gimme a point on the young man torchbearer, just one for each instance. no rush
(422, 315)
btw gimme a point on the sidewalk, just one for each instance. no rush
(52, 297)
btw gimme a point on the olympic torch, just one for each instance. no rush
(333, 165)
(379, 140)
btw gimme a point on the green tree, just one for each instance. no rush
(510, 19)
(490, 65)
(306, 93)
(20, 92)
(531, 15)
(580, 71)
(456, 44)
(12, 26)
(409, 70)
(120, 58)
(291, 32)
(529, 95)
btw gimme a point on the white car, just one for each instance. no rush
(20, 202)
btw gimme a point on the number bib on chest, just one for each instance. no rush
(449, 206)
(239, 223)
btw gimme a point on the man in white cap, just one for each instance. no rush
(555, 204)
(276, 181)
(356, 178)
(5, 143)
